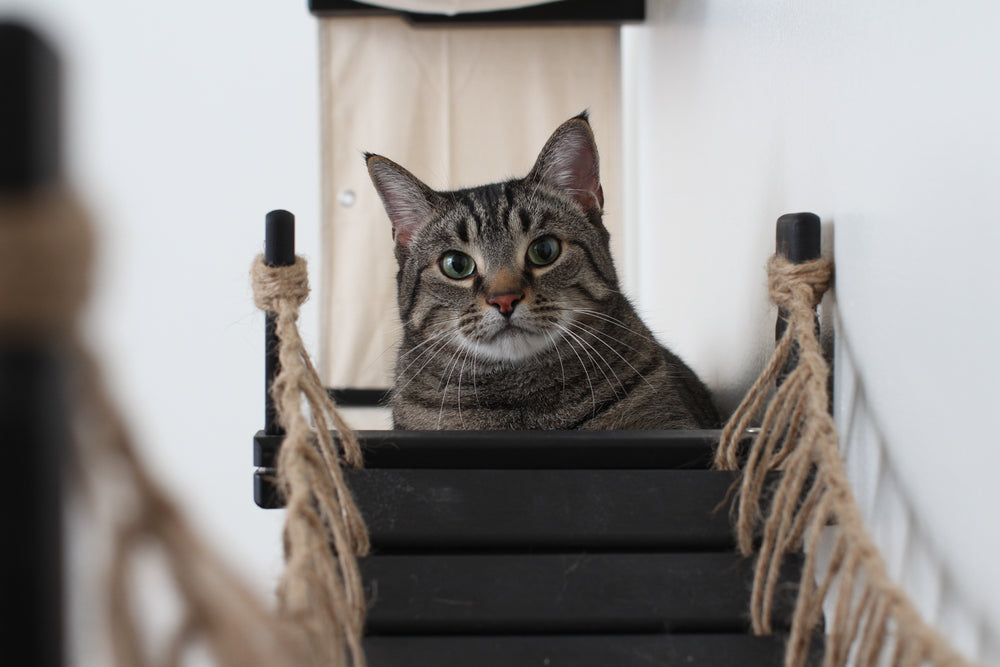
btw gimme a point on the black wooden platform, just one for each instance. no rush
(549, 548)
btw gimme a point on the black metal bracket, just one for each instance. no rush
(566, 12)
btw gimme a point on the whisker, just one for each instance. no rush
(436, 339)
(555, 346)
(598, 335)
(586, 345)
(435, 351)
(461, 371)
(427, 339)
(593, 396)
(587, 349)
(475, 388)
(611, 320)
(444, 394)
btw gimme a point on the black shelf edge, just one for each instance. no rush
(565, 593)
(522, 449)
(567, 12)
(349, 397)
(620, 650)
(419, 511)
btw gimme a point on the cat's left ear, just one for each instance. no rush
(569, 163)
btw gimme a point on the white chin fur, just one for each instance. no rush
(516, 345)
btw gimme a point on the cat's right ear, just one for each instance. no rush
(406, 199)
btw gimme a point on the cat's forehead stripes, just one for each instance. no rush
(491, 214)
(525, 218)
(482, 212)
(462, 229)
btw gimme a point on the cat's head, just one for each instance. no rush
(503, 270)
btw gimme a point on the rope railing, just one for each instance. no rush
(324, 533)
(812, 507)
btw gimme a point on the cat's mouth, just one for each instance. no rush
(510, 341)
(509, 329)
(508, 332)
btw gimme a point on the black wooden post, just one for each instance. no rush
(33, 418)
(798, 239)
(279, 250)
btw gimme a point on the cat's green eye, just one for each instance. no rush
(457, 265)
(544, 251)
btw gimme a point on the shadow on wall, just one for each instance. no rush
(912, 558)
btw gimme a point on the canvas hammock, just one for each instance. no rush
(443, 102)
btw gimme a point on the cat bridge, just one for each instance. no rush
(580, 548)
(509, 548)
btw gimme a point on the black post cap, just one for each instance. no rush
(799, 237)
(30, 109)
(279, 238)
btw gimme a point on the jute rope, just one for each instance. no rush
(46, 248)
(812, 503)
(320, 588)
(45, 257)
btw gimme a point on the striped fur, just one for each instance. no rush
(517, 345)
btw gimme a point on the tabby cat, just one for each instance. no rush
(511, 309)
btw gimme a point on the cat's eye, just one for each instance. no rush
(544, 251)
(457, 265)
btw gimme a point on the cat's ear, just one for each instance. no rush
(569, 163)
(407, 200)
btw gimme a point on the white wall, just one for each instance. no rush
(188, 121)
(883, 119)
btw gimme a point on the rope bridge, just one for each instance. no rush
(596, 547)
(518, 495)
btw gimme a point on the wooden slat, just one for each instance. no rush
(546, 509)
(700, 650)
(523, 449)
(558, 593)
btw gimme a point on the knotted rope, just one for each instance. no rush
(321, 589)
(45, 261)
(46, 251)
(872, 615)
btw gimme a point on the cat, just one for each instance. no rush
(511, 308)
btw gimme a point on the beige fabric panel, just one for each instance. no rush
(457, 107)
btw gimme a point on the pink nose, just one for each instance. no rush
(505, 302)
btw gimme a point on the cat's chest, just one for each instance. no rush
(543, 395)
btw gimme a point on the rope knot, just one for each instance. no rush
(277, 285)
(791, 284)
(46, 255)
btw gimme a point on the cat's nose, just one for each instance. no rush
(505, 302)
